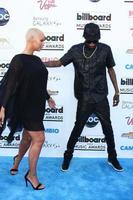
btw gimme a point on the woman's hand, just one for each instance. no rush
(51, 103)
(2, 116)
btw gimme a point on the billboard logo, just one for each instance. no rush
(94, 143)
(4, 16)
(95, 17)
(54, 42)
(55, 38)
(126, 86)
(102, 19)
(14, 145)
(54, 114)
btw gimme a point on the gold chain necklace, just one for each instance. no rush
(90, 55)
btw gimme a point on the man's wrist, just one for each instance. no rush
(117, 93)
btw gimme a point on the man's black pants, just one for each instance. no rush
(102, 111)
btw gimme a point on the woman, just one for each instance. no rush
(26, 91)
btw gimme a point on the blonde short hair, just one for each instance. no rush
(32, 32)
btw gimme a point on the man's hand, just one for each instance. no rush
(2, 116)
(51, 103)
(116, 100)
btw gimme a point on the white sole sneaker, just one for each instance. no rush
(118, 170)
(64, 170)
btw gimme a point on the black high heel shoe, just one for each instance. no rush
(35, 188)
(14, 171)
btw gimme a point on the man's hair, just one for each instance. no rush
(32, 32)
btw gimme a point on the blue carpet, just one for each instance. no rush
(87, 179)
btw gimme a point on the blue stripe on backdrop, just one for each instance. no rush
(87, 179)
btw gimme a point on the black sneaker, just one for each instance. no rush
(66, 161)
(115, 164)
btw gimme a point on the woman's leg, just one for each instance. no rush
(37, 140)
(23, 147)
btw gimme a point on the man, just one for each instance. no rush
(90, 60)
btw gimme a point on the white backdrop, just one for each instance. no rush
(63, 21)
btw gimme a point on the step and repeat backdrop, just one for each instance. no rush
(63, 22)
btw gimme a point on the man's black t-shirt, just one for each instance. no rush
(90, 73)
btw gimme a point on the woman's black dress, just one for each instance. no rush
(23, 93)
